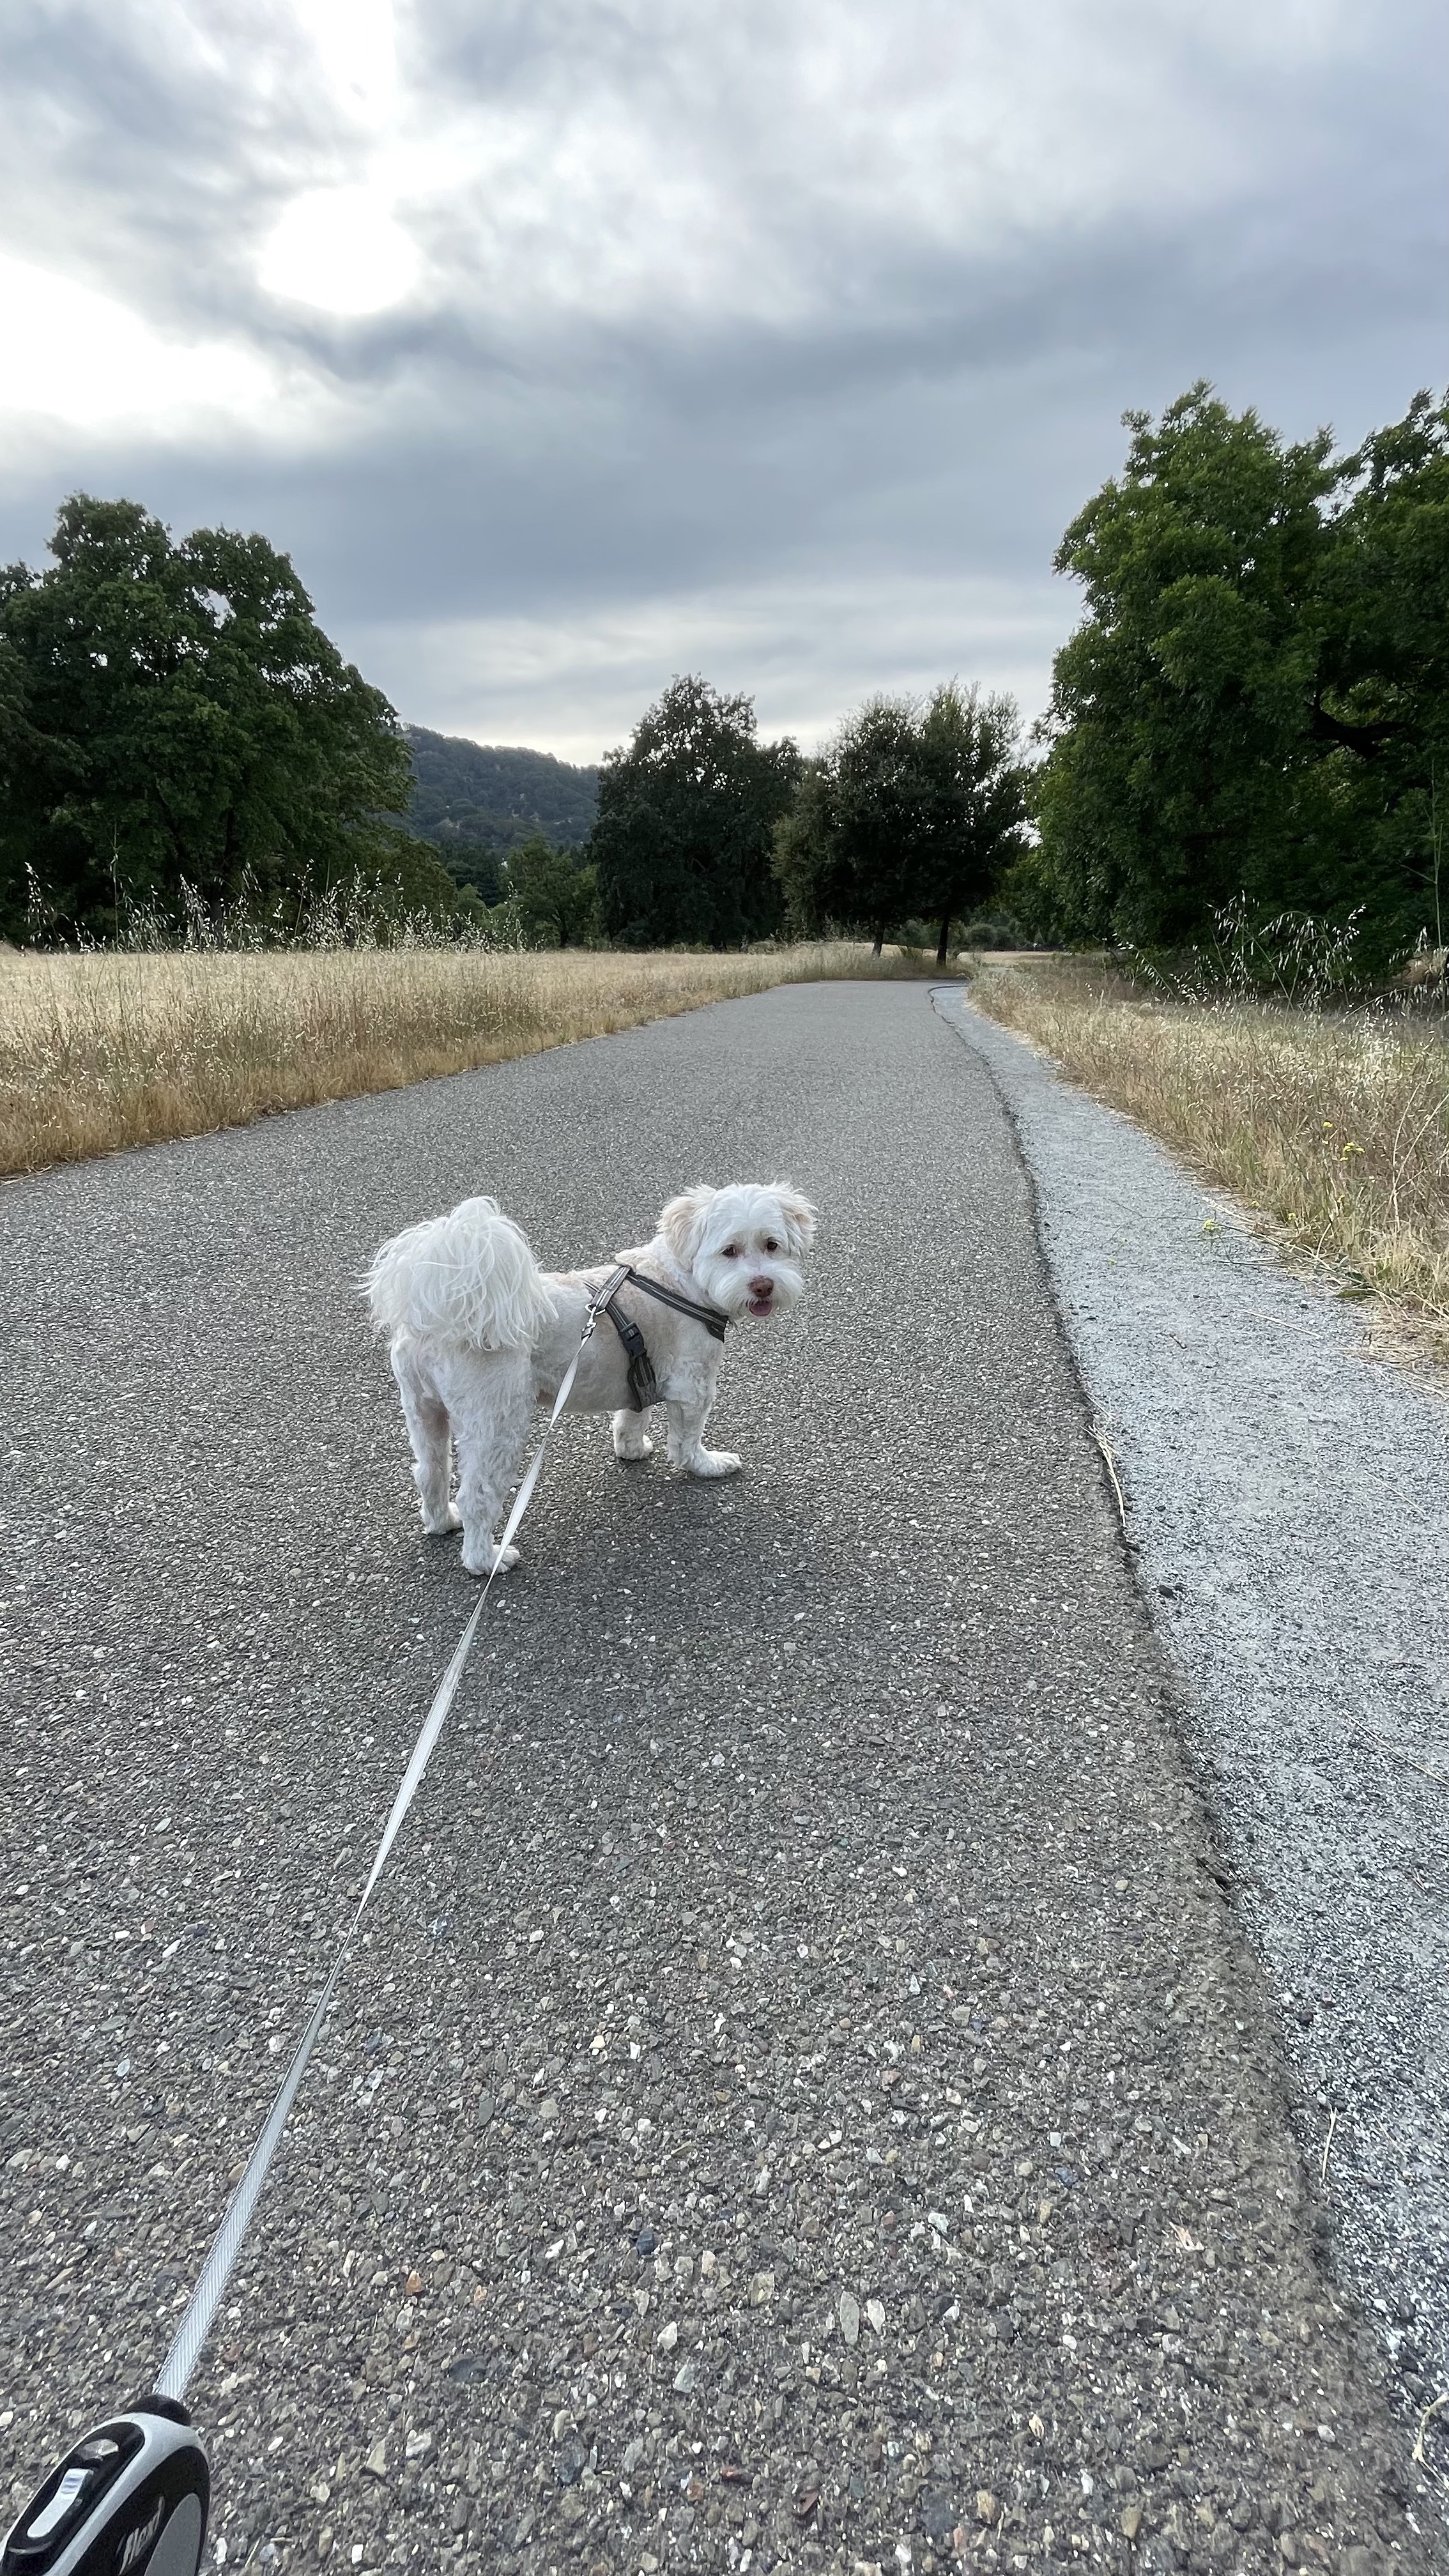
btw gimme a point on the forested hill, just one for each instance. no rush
(471, 795)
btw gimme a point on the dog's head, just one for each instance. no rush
(741, 1245)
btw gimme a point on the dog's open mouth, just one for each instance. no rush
(762, 1305)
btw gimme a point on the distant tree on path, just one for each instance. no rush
(686, 815)
(873, 810)
(911, 811)
(974, 818)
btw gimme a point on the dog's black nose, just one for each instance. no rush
(762, 1287)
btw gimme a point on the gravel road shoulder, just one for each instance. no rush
(805, 2101)
(1288, 1492)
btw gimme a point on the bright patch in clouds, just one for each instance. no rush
(340, 250)
(85, 362)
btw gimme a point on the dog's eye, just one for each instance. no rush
(732, 1252)
(770, 1244)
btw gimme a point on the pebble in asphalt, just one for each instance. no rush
(804, 2099)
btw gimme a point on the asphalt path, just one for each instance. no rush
(1286, 1484)
(804, 2099)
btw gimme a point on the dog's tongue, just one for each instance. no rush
(761, 1305)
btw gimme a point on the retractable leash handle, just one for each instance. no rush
(131, 2497)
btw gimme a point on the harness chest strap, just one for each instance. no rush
(643, 1385)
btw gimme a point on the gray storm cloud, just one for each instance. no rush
(567, 347)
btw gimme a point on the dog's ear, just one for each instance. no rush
(798, 1214)
(682, 1223)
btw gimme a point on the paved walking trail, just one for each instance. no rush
(1286, 1486)
(804, 2101)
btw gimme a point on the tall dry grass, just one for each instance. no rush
(1335, 1124)
(111, 1049)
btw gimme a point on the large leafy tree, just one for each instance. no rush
(1256, 705)
(876, 803)
(847, 849)
(974, 803)
(686, 815)
(1178, 740)
(911, 810)
(1380, 711)
(181, 718)
(801, 852)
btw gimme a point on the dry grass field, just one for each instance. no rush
(112, 1049)
(1334, 1124)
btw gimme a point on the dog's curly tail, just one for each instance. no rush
(468, 1277)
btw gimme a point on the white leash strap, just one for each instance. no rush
(206, 2298)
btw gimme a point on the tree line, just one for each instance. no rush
(180, 739)
(1253, 712)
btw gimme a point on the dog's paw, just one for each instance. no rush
(492, 1560)
(443, 1528)
(714, 1462)
(633, 1447)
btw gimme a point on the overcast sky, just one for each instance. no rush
(565, 345)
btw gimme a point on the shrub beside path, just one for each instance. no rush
(805, 2101)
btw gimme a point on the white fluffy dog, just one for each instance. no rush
(479, 1335)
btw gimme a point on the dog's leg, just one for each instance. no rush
(426, 1417)
(631, 1440)
(489, 1397)
(686, 1430)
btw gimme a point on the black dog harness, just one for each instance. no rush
(643, 1385)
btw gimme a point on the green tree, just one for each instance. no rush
(185, 720)
(875, 809)
(800, 851)
(396, 877)
(972, 827)
(910, 810)
(1380, 710)
(687, 811)
(1180, 751)
(1255, 710)
(557, 896)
